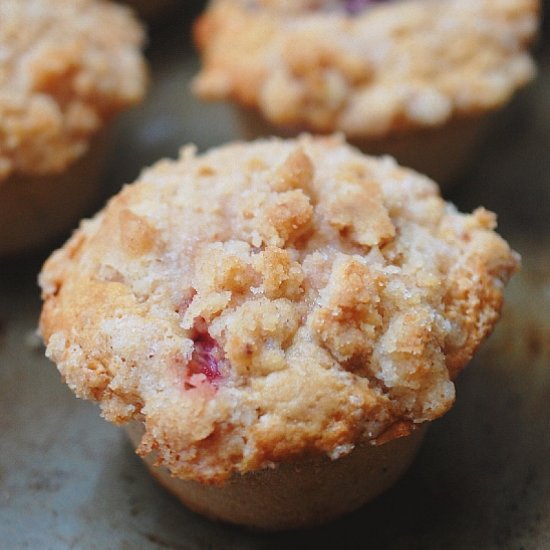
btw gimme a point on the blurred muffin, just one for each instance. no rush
(277, 320)
(66, 68)
(416, 79)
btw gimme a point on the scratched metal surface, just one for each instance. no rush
(482, 479)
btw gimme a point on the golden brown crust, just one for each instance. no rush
(66, 67)
(398, 65)
(241, 307)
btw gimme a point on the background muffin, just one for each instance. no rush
(67, 67)
(414, 79)
(271, 303)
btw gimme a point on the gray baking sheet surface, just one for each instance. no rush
(482, 479)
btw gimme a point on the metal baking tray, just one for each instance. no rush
(482, 479)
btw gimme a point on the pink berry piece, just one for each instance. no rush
(207, 359)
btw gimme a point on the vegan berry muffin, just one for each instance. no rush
(416, 79)
(277, 321)
(66, 68)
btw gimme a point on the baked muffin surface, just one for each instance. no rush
(271, 301)
(365, 68)
(66, 66)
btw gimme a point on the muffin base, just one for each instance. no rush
(294, 495)
(441, 153)
(36, 209)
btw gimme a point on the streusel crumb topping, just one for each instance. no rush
(272, 300)
(66, 66)
(365, 68)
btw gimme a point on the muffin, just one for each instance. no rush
(415, 79)
(276, 322)
(66, 68)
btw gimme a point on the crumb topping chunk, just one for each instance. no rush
(272, 300)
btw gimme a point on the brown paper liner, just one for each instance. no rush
(441, 153)
(36, 209)
(297, 494)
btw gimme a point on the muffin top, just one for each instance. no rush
(273, 300)
(365, 67)
(66, 66)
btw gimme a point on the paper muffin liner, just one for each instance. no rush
(298, 494)
(443, 153)
(36, 209)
